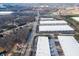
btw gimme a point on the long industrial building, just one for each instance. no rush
(64, 29)
(69, 45)
(46, 19)
(43, 46)
(56, 22)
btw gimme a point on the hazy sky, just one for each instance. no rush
(38, 1)
(24, 1)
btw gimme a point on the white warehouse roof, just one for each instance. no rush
(54, 22)
(45, 19)
(69, 45)
(43, 46)
(55, 28)
(76, 18)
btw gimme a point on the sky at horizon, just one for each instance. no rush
(39, 1)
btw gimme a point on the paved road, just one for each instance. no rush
(28, 49)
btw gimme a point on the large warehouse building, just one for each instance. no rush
(43, 46)
(64, 29)
(69, 45)
(57, 22)
(46, 19)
